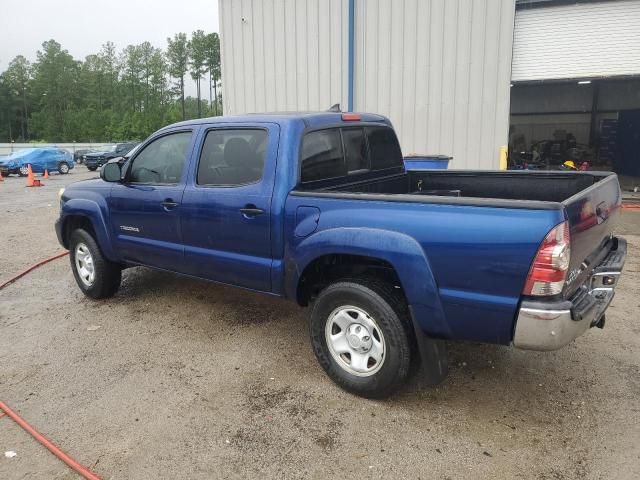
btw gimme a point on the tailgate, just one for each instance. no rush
(592, 215)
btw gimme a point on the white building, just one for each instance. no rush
(441, 70)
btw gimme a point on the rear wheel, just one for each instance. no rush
(63, 168)
(360, 337)
(96, 276)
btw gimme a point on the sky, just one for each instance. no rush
(81, 27)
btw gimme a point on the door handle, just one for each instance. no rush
(250, 211)
(169, 204)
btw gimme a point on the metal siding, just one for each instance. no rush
(440, 70)
(285, 55)
(577, 41)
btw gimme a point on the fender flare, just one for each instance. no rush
(92, 211)
(401, 251)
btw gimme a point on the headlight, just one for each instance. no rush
(60, 192)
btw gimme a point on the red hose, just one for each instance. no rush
(84, 471)
(32, 267)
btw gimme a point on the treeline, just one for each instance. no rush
(111, 95)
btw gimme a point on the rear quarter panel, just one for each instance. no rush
(473, 261)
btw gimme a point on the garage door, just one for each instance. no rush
(577, 41)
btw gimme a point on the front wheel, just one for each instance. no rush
(23, 171)
(360, 336)
(63, 168)
(93, 169)
(96, 276)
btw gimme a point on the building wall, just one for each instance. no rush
(439, 69)
(283, 55)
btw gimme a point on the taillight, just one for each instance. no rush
(549, 269)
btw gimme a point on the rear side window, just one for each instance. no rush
(355, 149)
(232, 157)
(384, 149)
(322, 155)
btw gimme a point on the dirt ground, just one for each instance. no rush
(175, 378)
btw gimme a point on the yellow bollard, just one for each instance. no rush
(503, 157)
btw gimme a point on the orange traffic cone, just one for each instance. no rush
(46, 173)
(32, 182)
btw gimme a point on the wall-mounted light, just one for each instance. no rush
(584, 82)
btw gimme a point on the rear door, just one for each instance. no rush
(226, 216)
(145, 209)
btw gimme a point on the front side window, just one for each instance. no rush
(322, 155)
(232, 157)
(162, 161)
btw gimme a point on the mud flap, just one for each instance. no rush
(434, 357)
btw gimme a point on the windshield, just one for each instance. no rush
(109, 148)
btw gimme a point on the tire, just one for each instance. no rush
(63, 168)
(23, 172)
(106, 276)
(376, 306)
(93, 169)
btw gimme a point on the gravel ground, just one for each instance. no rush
(175, 378)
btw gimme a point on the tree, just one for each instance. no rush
(111, 95)
(198, 57)
(17, 77)
(178, 56)
(55, 91)
(213, 66)
(131, 62)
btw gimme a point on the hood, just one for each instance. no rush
(96, 154)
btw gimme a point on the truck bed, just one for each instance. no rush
(525, 185)
(590, 201)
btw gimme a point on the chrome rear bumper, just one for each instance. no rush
(545, 325)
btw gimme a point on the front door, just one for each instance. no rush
(145, 208)
(226, 219)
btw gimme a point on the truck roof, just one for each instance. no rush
(311, 119)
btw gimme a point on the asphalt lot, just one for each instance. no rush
(175, 378)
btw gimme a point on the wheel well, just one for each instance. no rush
(329, 268)
(74, 222)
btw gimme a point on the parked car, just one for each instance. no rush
(41, 159)
(318, 208)
(78, 154)
(96, 159)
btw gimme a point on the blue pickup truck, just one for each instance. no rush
(318, 208)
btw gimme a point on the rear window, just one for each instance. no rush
(336, 152)
(322, 155)
(355, 149)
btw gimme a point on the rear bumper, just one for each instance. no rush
(550, 325)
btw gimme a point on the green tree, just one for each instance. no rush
(17, 77)
(178, 56)
(198, 58)
(55, 75)
(213, 66)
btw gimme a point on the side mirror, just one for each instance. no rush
(111, 172)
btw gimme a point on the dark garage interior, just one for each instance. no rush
(594, 123)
